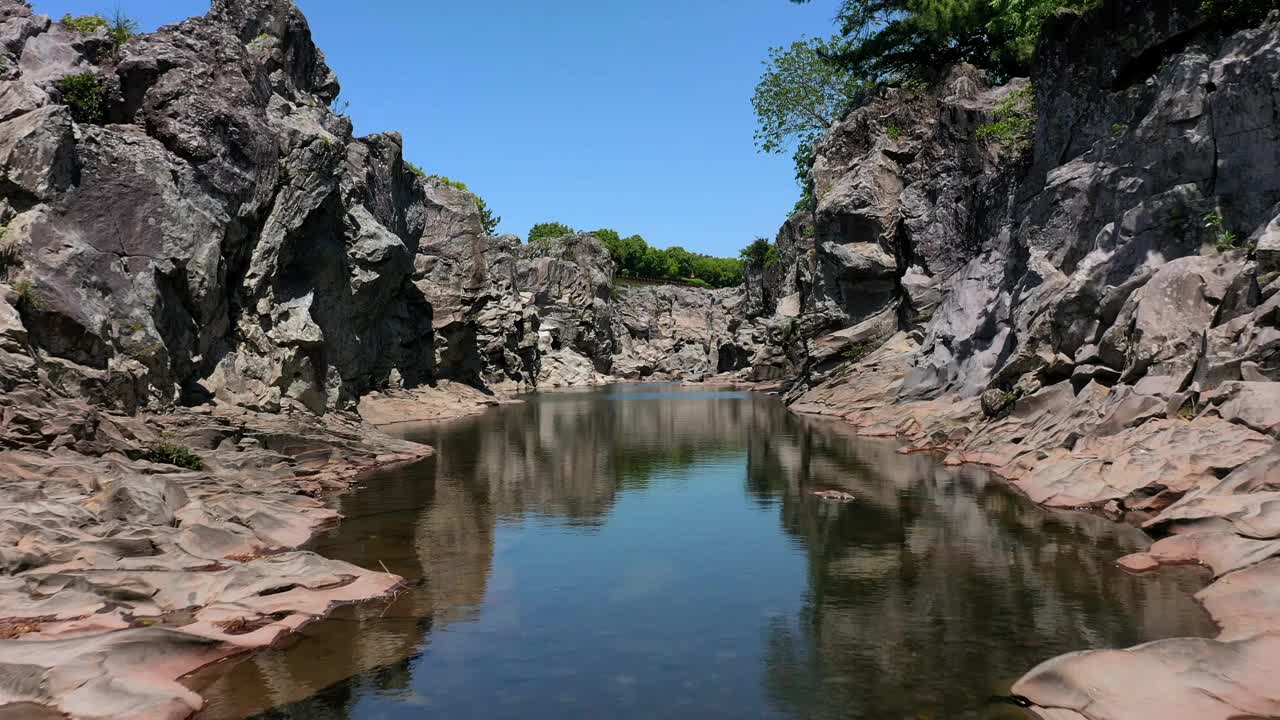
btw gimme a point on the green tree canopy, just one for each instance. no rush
(802, 93)
(761, 254)
(548, 231)
(900, 41)
(895, 41)
(635, 258)
(487, 218)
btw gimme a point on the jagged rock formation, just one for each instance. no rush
(192, 225)
(677, 333)
(1126, 352)
(1056, 307)
(1059, 263)
(218, 233)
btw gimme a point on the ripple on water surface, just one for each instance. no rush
(640, 552)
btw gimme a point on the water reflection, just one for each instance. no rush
(643, 552)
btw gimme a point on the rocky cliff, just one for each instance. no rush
(202, 270)
(1015, 257)
(1072, 278)
(193, 221)
(1081, 293)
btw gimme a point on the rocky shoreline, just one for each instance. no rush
(1204, 484)
(205, 267)
(123, 574)
(119, 581)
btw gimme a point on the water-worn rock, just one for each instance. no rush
(98, 544)
(1084, 336)
(673, 333)
(247, 248)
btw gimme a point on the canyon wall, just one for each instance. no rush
(1083, 295)
(1054, 255)
(201, 224)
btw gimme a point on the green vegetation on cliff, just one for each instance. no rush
(903, 41)
(487, 218)
(801, 94)
(120, 27)
(171, 453)
(85, 95)
(1015, 121)
(637, 259)
(891, 42)
(542, 232)
(761, 254)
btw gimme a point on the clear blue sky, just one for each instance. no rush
(596, 113)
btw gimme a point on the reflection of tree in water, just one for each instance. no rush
(900, 582)
(563, 457)
(937, 587)
(557, 457)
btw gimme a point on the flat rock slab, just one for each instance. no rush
(121, 574)
(1138, 563)
(1179, 679)
(446, 401)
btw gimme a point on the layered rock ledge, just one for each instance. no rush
(199, 257)
(211, 260)
(1067, 310)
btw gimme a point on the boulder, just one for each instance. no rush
(37, 152)
(1255, 405)
(1268, 253)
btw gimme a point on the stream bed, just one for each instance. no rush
(652, 551)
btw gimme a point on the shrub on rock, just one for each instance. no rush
(168, 453)
(85, 95)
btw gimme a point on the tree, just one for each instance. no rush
(631, 256)
(635, 258)
(682, 261)
(903, 41)
(121, 27)
(607, 237)
(761, 254)
(487, 218)
(545, 231)
(802, 93)
(612, 242)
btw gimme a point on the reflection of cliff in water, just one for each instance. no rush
(928, 559)
(557, 459)
(929, 570)
(562, 458)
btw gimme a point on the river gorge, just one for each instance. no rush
(657, 551)
(988, 429)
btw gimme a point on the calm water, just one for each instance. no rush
(646, 552)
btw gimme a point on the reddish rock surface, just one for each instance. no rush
(1138, 563)
(1211, 484)
(121, 574)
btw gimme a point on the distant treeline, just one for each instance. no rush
(636, 258)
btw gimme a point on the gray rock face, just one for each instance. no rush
(224, 236)
(502, 307)
(1082, 253)
(1073, 314)
(905, 195)
(672, 333)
